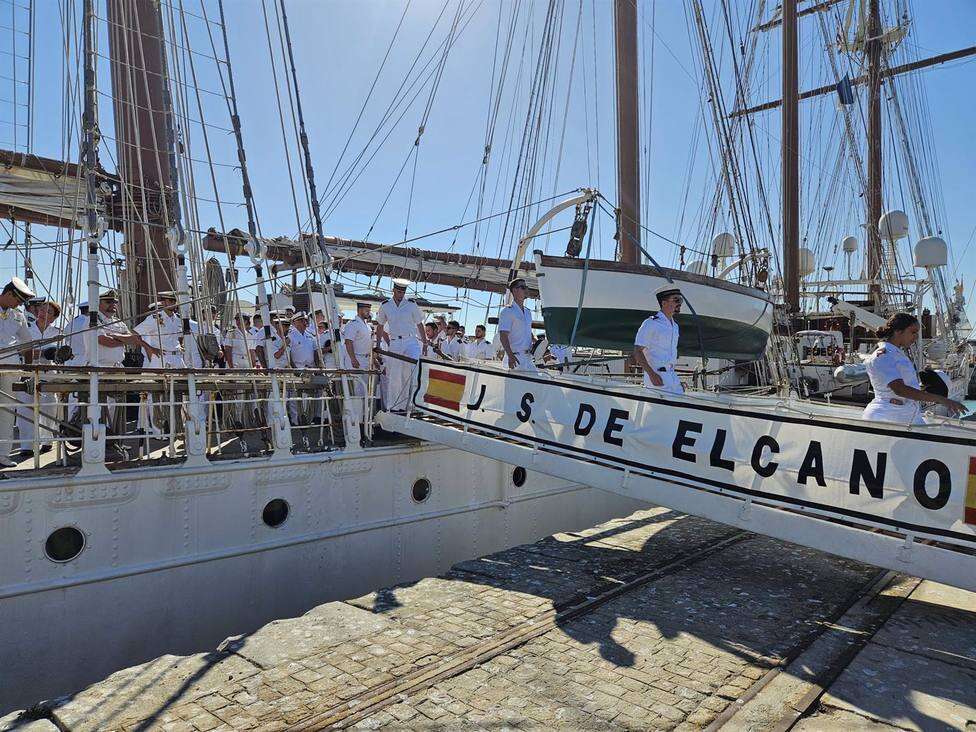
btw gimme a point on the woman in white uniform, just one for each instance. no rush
(897, 393)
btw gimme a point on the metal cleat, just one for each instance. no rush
(93, 451)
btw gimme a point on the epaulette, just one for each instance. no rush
(881, 351)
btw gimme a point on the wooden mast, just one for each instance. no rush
(628, 131)
(790, 152)
(874, 144)
(135, 30)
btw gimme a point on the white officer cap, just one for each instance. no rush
(20, 287)
(666, 290)
(301, 314)
(401, 284)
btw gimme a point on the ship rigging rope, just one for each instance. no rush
(403, 100)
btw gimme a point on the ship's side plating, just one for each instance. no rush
(176, 559)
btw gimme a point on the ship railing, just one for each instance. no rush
(168, 415)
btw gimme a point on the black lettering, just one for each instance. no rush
(945, 484)
(525, 412)
(681, 439)
(615, 423)
(715, 459)
(861, 470)
(481, 397)
(584, 409)
(812, 466)
(769, 468)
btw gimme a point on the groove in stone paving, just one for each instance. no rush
(677, 652)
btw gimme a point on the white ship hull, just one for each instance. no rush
(729, 321)
(177, 559)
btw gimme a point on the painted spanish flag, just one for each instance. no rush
(970, 510)
(445, 389)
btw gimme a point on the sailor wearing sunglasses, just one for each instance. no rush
(656, 343)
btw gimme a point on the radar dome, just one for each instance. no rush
(893, 225)
(723, 245)
(698, 267)
(807, 263)
(932, 251)
(849, 244)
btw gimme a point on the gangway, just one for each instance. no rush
(898, 497)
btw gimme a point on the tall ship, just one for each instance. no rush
(169, 498)
(163, 504)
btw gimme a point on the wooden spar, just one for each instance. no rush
(884, 73)
(874, 148)
(136, 48)
(790, 152)
(628, 130)
(288, 253)
(31, 167)
(825, 5)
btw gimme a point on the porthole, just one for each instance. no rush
(420, 490)
(518, 476)
(64, 544)
(275, 512)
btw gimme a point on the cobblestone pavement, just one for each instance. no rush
(671, 653)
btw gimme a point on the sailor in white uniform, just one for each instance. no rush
(656, 343)
(323, 340)
(451, 347)
(301, 342)
(239, 344)
(77, 336)
(515, 329)
(302, 346)
(897, 391)
(41, 325)
(357, 337)
(162, 330)
(400, 328)
(479, 349)
(13, 332)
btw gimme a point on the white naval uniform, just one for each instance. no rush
(302, 347)
(77, 340)
(13, 332)
(110, 355)
(400, 324)
(658, 337)
(887, 364)
(272, 347)
(162, 331)
(451, 348)
(241, 344)
(517, 322)
(47, 401)
(479, 350)
(358, 332)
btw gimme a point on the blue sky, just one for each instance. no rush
(339, 47)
